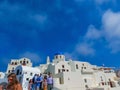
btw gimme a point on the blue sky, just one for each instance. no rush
(85, 30)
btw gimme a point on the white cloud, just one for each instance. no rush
(85, 49)
(33, 56)
(81, 49)
(111, 29)
(85, 46)
(111, 24)
(110, 32)
(93, 33)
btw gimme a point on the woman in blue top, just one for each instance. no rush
(39, 82)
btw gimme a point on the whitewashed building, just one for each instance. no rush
(78, 75)
(16, 62)
(71, 74)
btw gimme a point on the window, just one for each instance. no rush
(31, 74)
(15, 63)
(13, 69)
(24, 63)
(84, 67)
(101, 78)
(8, 71)
(119, 83)
(103, 83)
(61, 80)
(86, 86)
(60, 56)
(63, 70)
(67, 70)
(25, 72)
(27, 79)
(109, 79)
(83, 64)
(56, 57)
(20, 61)
(76, 66)
(12, 63)
(62, 66)
(85, 80)
(27, 61)
(58, 70)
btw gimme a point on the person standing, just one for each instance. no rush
(34, 80)
(13, 83)
(30, 85)
(50, 82)
(39, 82)
(44, 83)
(1, 87)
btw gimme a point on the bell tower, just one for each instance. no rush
(58, 57)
